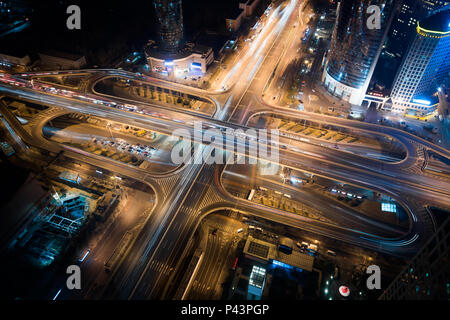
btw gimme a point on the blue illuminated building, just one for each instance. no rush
(424, 68)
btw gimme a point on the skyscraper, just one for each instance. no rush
(405, 22)
(355, 48)
(403, 26)
(424, 68)
(427, 275)
(170, 18)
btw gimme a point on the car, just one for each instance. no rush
(239, 230)
(331, 253)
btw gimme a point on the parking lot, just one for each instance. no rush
(145, 149)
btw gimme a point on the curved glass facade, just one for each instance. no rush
(355, 48)
(170, 18)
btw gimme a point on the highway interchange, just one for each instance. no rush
(187, 194)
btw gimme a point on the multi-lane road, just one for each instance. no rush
(185, 195)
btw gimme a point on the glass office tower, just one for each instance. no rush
(170, 18)
(405, 22)
(424, 68)
(427, 275)
(355, 48)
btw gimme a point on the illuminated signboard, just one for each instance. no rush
(344, 291)
(196, 65)
(388, 207)
(422, 101)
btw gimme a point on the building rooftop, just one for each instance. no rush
(158, 52)
(258, 249)
(439, 22)
(234, 13)
(266, 251)
(63, 55)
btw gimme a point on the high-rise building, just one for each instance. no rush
(355, 48)
(170, 18)
(405, 22)
(424, 68)
(427, 276)
(403, 26)
(399, 38)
